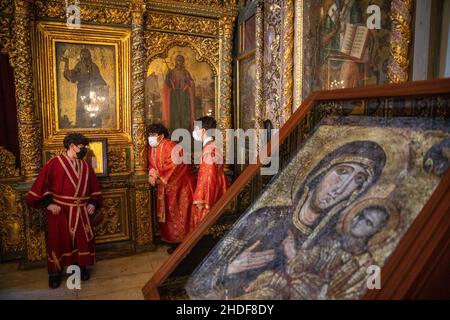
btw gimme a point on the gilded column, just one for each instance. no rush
(144, 232)
(138, 82)
(401, 16)
(259, 57)
(288, 59)
(226, 41)
(29, 133)
(225, 65)
(298, 54)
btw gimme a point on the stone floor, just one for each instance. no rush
(120, 278)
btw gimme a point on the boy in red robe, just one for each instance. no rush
(68, 188)
(211, 182)
(175, 186)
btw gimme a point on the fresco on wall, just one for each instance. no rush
(179, 89)
(340, 206)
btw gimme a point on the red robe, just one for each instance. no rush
(176, 185)
(70, 234)
(211, 183)
(186, 84)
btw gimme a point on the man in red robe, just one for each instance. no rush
(68, 188)
(211, 182)
(175, 186)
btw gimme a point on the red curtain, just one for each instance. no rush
(9, 132)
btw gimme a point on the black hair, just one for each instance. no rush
(158, 128)
(208, 122)
(76, 139)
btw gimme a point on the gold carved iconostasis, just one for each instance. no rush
(298, 47)
(107, 79)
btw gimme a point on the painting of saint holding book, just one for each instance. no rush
(346, 53)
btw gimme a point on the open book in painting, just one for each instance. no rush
(355, 41)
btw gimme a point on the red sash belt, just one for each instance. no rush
(70, 201)
(77, 212)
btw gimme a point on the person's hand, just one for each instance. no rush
(90, 209)
(200, 206)
(289, 246)
(55, 209)
(152, 181)
(248, 260)
(152, 172)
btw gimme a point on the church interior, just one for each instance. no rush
(344, 192)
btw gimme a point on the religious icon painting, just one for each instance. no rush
(179, 88)
(89, 75)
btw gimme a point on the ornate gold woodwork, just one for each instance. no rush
(35, 228)
(111, 221)
(11, 221)
(212, 9)
(211, 3)
(225, 91)
(53, 153)
(260, 111)
(7, 164)
(105, 12)
(194, 25)
(6, 10)
(29, 132)
(275, 75)
(209, 35)
(287, 69)
(48, 34)
(117, 161)
(36, 245)
(144, 231)
(298, 53)
(138, 89)
(158, 44)
(401, 16)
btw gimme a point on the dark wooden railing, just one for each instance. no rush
(421, 256)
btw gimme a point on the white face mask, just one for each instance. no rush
(197, 135)
(153, 141)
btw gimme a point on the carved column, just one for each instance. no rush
(144, 231)
(226, 53)
(288, 60)
(138, 87)
(260, 112)
(298, 54)
(400, 39)
(226, 48)
(29, 133)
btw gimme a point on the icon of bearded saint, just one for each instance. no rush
(269, 237)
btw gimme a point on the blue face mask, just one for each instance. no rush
(153, 141)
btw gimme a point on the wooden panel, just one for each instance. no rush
(111, 223)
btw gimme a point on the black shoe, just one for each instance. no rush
(54, 280)
(85, 274)
(172, 248)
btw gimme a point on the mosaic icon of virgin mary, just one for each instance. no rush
(264, 240)
(336, 267)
